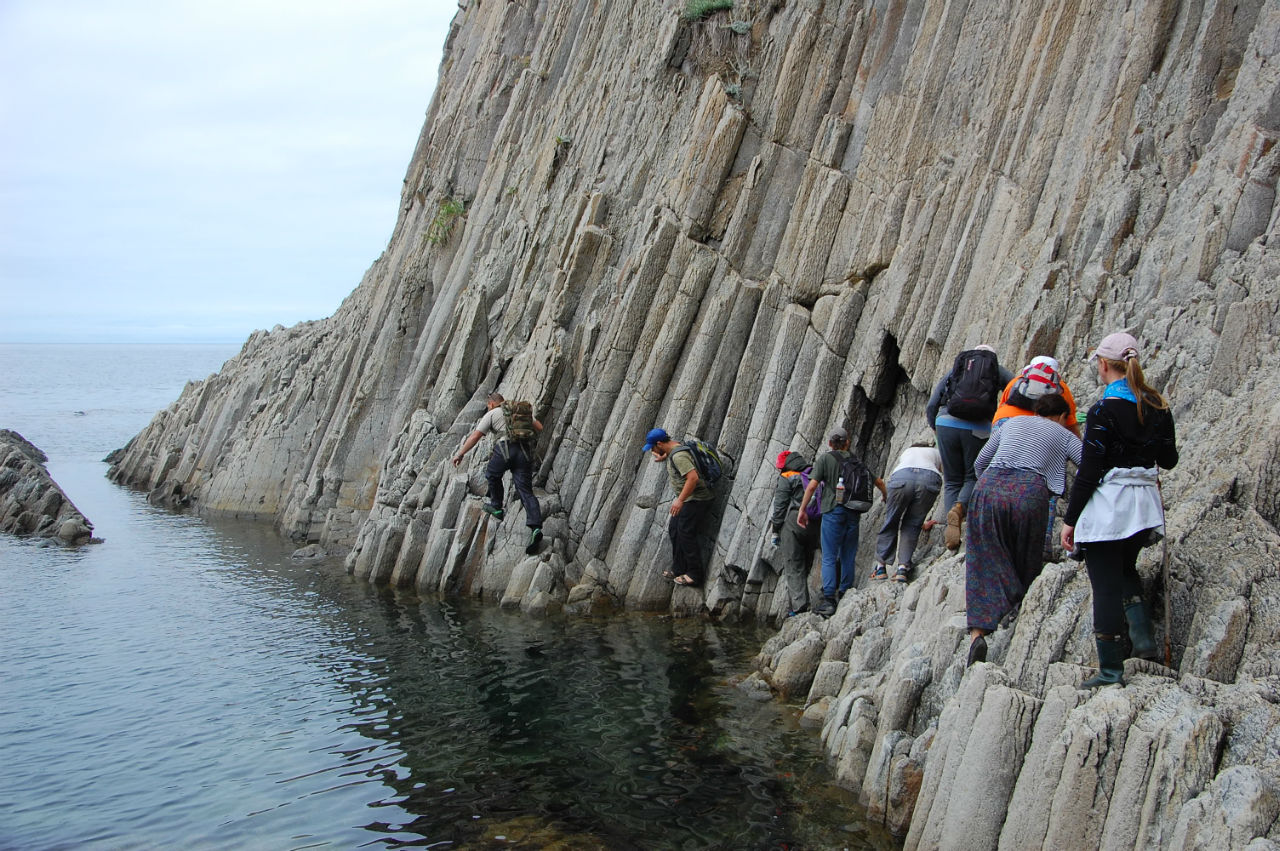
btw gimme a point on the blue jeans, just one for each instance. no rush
(912, 492)
(959, 449)
(839, 547)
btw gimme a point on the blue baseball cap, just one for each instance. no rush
(657, 435)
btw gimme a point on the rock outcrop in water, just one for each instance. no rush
(784, 217)
(31, 503)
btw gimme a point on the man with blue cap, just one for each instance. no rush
(693, 500)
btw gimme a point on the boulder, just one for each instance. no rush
(31, 503)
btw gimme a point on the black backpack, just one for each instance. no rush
(973, 388)
(858, 483)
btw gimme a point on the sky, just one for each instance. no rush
(189, 171)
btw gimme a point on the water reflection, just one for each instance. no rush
(623, 732)
(189, 680)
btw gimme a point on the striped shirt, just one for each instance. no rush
(1032, 443)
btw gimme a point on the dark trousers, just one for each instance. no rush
(686, 547)
(959, 449)
(514, 457)
(1113, 575)
(796, 547)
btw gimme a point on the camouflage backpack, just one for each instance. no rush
(519, 420)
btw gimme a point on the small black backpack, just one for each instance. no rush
(973, 388)
(858, 483)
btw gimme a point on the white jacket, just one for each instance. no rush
(1126, 502)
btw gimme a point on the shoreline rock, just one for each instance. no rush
(1010, 753)
(31, 503)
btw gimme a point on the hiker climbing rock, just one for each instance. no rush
(1116, 507)
(846, 495)
(514, 430)
(1041, 377)
(913, 488)
(796, 544)
(692, 503)
(1020, 469)
(960, 411)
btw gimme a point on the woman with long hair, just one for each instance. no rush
(1115, 508)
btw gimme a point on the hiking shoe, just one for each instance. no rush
(955, 522)
(535, 538)
(902, 574)
(977, 651)
(493, 510)
(826, 608)
(880, 571)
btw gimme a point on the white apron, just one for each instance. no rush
(1126, 502)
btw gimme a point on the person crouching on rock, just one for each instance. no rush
(796, 544)
(514, 430)
(693, 501)
(913, 485)
(1022, 464)
(1115, 508)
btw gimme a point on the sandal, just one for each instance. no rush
(685, 579)
(666, 574)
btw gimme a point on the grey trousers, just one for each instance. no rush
(912, 493)
(796, 547)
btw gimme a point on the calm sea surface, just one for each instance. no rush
(187, 685)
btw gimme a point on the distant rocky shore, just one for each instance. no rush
(31, 503)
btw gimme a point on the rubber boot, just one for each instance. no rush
(1110, 663)
(955, 518)
(1144, 644)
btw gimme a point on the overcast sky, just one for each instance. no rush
(190, 171)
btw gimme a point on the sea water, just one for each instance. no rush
(187, 684)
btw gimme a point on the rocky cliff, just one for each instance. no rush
(760, 223)
(31, 503)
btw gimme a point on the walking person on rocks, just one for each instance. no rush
(913, 488)
(1023, 463)
(960, 411)
(846, 495)
(1039, 378)
(693, 501)
(795, 544)
(1115, 508)
(514, 430)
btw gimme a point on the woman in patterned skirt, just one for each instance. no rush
(1021, 467)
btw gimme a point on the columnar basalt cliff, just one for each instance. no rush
(776, 219)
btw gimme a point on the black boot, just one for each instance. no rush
(1110, 662)
(1144, 644)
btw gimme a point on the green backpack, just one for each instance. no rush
(519, 420)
